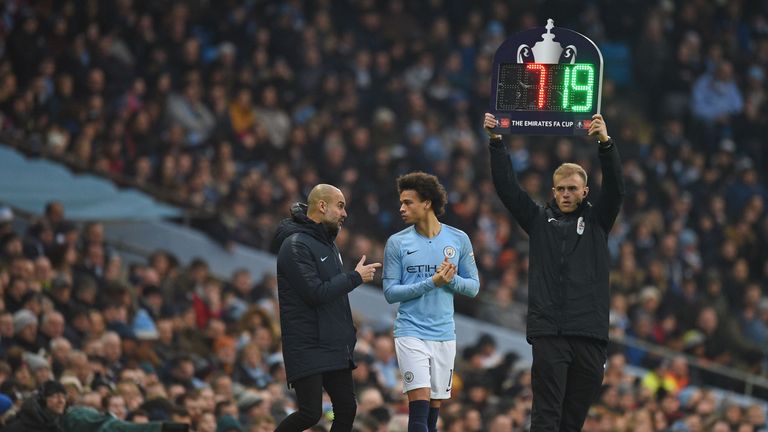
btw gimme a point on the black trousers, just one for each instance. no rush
(309, 394)
(566, 377)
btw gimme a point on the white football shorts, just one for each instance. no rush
(426, 364)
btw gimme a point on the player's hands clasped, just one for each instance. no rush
(445, 273)
(366, 271)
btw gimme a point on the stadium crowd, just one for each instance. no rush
(240, 108)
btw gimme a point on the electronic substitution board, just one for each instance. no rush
(546, 81)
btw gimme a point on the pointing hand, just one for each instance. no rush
(366, 271)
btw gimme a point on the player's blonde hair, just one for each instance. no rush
(568, 169)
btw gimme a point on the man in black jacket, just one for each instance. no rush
(47, 411)
(317, 330)
(568, 291)
(42, 412)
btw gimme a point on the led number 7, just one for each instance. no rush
(586, 85)
(541, 100)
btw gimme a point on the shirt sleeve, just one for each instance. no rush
(514, 198)
(612, 189)
(394, 290)
(466, 282)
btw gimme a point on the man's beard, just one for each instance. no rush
(332, 228)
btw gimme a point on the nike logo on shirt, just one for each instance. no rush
(410, 252)
(551, 219)
(323, 258)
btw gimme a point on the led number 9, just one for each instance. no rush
(575, 84)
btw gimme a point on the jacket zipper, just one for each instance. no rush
(563, 294)
(340, 269)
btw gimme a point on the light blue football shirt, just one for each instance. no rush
(410, 261)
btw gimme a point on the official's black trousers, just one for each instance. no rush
(309, 394)
(566, 377)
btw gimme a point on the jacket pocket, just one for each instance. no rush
(332, 328)
(582, 305)
(582, 268)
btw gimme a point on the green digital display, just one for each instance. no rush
(541, 87)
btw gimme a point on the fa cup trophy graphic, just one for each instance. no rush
(547, 51)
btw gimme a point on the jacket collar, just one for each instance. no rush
(300, 222)
(558, 213)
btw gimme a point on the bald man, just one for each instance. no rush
(317, 330)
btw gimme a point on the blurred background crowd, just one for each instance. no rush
(234, 110)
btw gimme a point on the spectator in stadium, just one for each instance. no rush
(189, 110)
(384, 364)
(43, 412)
(315, 317)
(716, 97)
(6, 221)
(568, 305)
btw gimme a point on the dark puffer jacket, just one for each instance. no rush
(568, 290)
(315, 317)
(33, 417)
